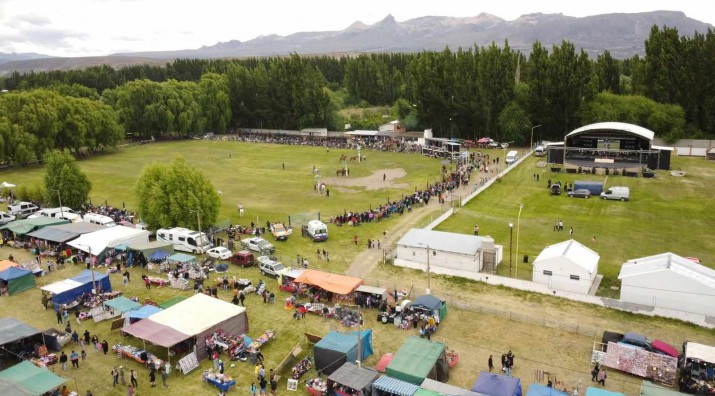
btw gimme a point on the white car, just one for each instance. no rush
(219, 253)
(6, 218)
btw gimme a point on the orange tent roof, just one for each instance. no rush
(335, 283)
(5, 264)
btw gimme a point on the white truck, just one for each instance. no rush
(317, 230)
(184, 239)
(259, 245)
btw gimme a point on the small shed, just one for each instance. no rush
(497, 385)
(388, 386)
(356, 378)
(710, 154)
(418, 359)
(668, 281)
(431, 303)
(337, 348)
(17, 280)
(567, 266)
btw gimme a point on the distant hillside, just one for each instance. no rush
(45, 64)
(622, 34)
(4, 57)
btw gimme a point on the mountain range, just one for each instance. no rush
(622, 34)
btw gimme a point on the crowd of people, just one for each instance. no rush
(117, 214)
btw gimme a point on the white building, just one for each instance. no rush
(669, 281)
(392, 126)
(566, 266)
(449, 253)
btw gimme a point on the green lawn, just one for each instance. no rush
(666, 214)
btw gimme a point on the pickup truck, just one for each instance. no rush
(258, 244)
(280, 231)
(271, 267)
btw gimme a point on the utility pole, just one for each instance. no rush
(511, 246)
(518, 218)
(532, 136)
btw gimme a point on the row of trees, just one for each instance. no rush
(470, 92)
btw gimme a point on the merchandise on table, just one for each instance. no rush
(234, 345)
(138, 354)
(222, 381)
(302, 367)
(316, 387)
(258, 342)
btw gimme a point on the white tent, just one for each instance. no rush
(7, 185)
(61, 286)
(566, 266)
(669, 281)
(99, 241)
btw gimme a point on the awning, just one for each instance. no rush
(122, 304)
(12, 329)
(156, 333)
(159, 255)
(144, 312)
(354, 377)
(395, 386)
(339, 284)
(371, 290)
(5, 264)
(61, 286)
(181, 258)
(31, 379)
(24, 226)
(197, 314)
(384, 361)
(52, 234)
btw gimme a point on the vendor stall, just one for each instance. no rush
(333, 283)
(370, 296)
(16, 280)
(27, 379)
(351, 380)
(138, 314)
(97, 243)
(69, 291)
(286, 281)
(55, 339)
(121, 305)
(388, 386)
(543, 390)
(338, 348)
(223, 382)
(497, 385)
(698, 367)
(418, 359)
(430, 305)
(641, 362)
(138, 354)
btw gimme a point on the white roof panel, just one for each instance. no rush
(196, 314)
(669, 262)
(615, 126)
(572, 251)
(693, 350)
(61, 286)
(442, 241)
(371, 289)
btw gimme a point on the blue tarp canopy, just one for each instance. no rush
(591, 391)
(144, 312)
(122, 304)
(337, 348)
(393, 386)
(159, 255)
(182, 258)
(497, 385)
(542, 390)
(79, 285)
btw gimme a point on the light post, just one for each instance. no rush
(429, 286)
(198, 220)
(511, 250)
(532, 136)
(518, 218)
(59, 198)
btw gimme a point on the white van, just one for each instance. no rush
(512, 156)
(617, 193)
(184, 239)
(539, 151)
(99, 219)
(22, 209)
(317, 230)
(52, 212)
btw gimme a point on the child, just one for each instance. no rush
(253, 389)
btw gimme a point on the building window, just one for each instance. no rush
(434, 252)
(575, 277)
(548, 273)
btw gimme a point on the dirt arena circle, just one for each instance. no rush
(372, 182)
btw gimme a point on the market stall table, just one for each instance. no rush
(222, 381)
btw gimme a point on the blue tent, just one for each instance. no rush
(337, 348)
(591, 391)
(497, 385)
(18, 280)
(84, 285)
(159, 255)
(143, 312)
(542, 390)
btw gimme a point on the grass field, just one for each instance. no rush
(253, 176)
(666, 214)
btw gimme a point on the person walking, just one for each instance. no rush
(254, 389)
(241, 298)
(274, 383)
(105, 346)
(74, 358)
(133, 379)
(571, 232)
(130, 390)
(602, 377)
(152, 376)
(86, 337)
(594, 372)
(490, 362)
(59, 317)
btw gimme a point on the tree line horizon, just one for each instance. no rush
(466, 93)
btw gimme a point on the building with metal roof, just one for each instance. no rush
(567, 266)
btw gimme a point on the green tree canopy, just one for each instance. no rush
(64, 180)
(170, 195)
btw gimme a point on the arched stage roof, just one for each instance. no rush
(615, 126)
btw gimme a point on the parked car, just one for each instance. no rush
(269, 266)
(219, 252)
(259, 245)
(493, 144)
(580, 193)
(6, 218)
(555, 189)
(244, 258)
(280, 231)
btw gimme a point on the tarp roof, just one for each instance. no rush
(196, 314)
(371, 289)
(669, 262)
(706, 353)
(172, 301)
(395, 386)
(11, 389)
(650, 389)
(415, 359)
(99, 240)
(354, 377)
(428, 301)
(443, 241)
(572, 251)
(339, 284)
(447, 389)
(12, 329)
(24, 226)
(144, 312)
(384, 361)
(497, 385)
(5, 264)
(85, 277)
(159, 255)
(591, 391)
(543, 390)
(80, 227)
(53, 235)
(31, 379)
(13, 273)
(143, 246)
(156, 333)
(122, 304)
(61, 286)
(615, 126)
(182, 258)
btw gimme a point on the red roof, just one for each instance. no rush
(384, 361)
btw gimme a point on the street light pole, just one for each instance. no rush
(511, 247)
(518, 218)
(532, 136)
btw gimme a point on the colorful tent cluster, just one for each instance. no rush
(18, 280)
(338, 284)
(335, 349)
(27, 379)
(71, 289)
(418, 359)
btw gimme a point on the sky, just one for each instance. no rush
(103, 27)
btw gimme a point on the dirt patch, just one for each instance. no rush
(382, 178)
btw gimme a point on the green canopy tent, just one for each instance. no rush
(168, 303)
(122, 304)
(650, 389)
(28, 379)
(418, 359)
(26, 226)
(18, 280)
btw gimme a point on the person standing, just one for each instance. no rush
(130, 390)
(594, 372)
(86, 337)
(163, 378)
(121, 375)
(476, 229)
(490, 362)
(152, 376)
(115, 376)
(571, 232)
(254, 389)
(105, 346)
(74, 358)
(274, 383)
(59, 316)
(602, 377)
(63, 361)
(262, 383)
(133, 379)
